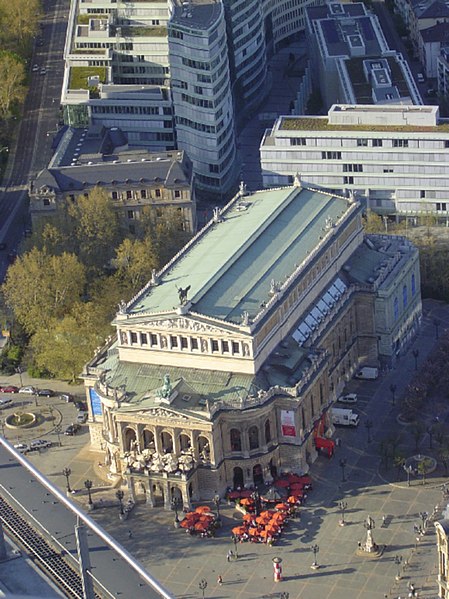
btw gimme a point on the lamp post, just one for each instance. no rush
(436, 324)
(315, 548)
(58, 431)
(88, 484)
(255, 496)
(2, 424)
(398, 561)
(423, 516)
(415, 353)
(120, 494)
(35, 398)
(393, 388)
(202, 586)
(67, 472)
(19, 372)
(216, 501)
(342, 505)
(408, 471)
(176, 503)
(369, 426)
(235, 541)
(343, 466)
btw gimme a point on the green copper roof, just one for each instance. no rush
(229, 267)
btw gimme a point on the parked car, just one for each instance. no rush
(43, 71)
(45, 393)
(72, 429)
(9, 389)
(420, 78)
(5, 402)
(82, 417)
(81, 406)
(35, 68)
(21, 447)
(68, 397)
(40, 444)
(348, 398)
(28, 389)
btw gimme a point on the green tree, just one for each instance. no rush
(69, 342)
(12, 77)
(40, 287)
(95, 227)
(134, 262)
(423, 468)
(373, 223)
(19, 22)
(167, 232)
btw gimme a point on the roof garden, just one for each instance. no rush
(79, 76)
(322, 124)
(362, 87)
(153, 31)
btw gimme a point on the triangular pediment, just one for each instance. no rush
(183, 323)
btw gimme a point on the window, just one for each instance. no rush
(388, 170)
(298, 141)
(353, 168)
(236, 440)
(422, 193)
(115, 195)
(157, 193)
(129, 194)
(184, 343)
(331, 155)
(225, 347)
(404, 296)
(400, 143)
(214, 345)
(362, 143)
(173, 341)
(143, 194)
(441, 206)
(396, 308)
(46, 202)
(194, 343)
(348, 180)
(177, 193)
(235, 347)
(133, 337)
(253, 437)
(267, 432)
(130, 214)
(413, 284)
(153, 339)
(377, 143)
(143, 339)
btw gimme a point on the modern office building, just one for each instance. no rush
(135, 179)
(225, 364)
(352, 62)
(395, 156)
(443, 73)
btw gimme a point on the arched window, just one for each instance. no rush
(404, 296)
(267, 432)
(413, 284)
(130, 439)
(148, 439)
(236, 440)
(167, 442)
(396, 308)
(184, 442)
(253, 436)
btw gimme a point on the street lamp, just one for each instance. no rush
(398, 561)
(255, 496)
(315, 550)
(67, 472)
(19, 372)
(88, 484)
(343, 466)
(437, 324)
(2, 424)
(408, 470)
(202, 585)
(423, 516)
(176, 503)
(235, 541)
(120, 494)
(393, 388)
(369, 426)
(342, 505)
(415, 353)
(216, 501)
(58, 431)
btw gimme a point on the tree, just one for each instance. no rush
(417, 431)
(373, 223)
(40, 287)
(423, 468)
(95, 227)
(167, 232)
(12, 77)
(134, 262)
(69, 342)
(19, 21)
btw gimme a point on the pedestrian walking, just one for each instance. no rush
(220, 579)
(130, 534)
(230, 555)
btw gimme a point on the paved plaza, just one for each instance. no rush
(180, 561)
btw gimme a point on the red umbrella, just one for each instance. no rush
(201, 509)
(267, 513)
(282, 482)
(246, 501)
(297, 486)
(253, 531)
(293, 478)
(186, 523)
(234, 495)
(282, 506)
(248, 517)
(263, 519)
(306, 479)
(238, 530)
(200, 526)
(264, 533)
(246, 493)
(291, 499)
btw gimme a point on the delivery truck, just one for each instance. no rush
(344, 417)
(368, 373)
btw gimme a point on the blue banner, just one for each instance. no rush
(95, 402)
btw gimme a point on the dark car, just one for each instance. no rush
(72, 429)
(81, 406)
(9, 389)
(45, 393)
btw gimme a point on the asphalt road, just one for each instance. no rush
(49, 515)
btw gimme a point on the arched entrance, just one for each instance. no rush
(184, 442)
(148, 439)
(158, 495)
(129, 439)
(273, 469)
(167, 442)
(238, 477)
(258, 475)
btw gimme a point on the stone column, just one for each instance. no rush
(149, 495)
(186, 498)
(130, 483)
(167, 495)
(245, 441)
(157, 439)
(176, 445)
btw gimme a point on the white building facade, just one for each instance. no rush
(397, 156)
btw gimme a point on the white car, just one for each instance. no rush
(35, 68)
(28, 389)
(40, 444)
(420, 78)
(43, 71)
(21, 447)
(5, 402)
(348, 398)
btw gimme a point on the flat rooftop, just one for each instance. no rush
(229, 266)
(200, 14)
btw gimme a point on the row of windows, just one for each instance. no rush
(143, 194)
(404, 298)
(235, 437)
(214, 346)
(364, 143)
(180, 120)
(129, 110)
